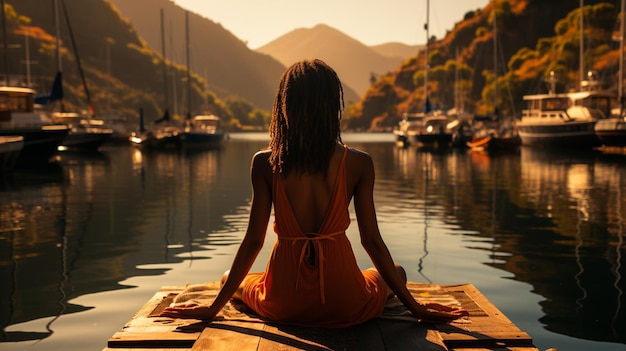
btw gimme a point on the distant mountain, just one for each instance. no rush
(354, 61)
(225, 61)
(398, 51)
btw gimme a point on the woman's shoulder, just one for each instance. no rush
(357, 155)
(261, 160)
(262, 154)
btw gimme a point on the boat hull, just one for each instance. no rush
(570, 134)
(40, 143)
(201, 141)
(87, 140)
(611, 132)
(494, 143)
(440, 140)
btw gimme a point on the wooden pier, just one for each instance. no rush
(485, 329)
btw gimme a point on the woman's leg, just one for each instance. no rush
(239, 292)
(400, 271)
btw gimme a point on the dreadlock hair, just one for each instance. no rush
(306, 116)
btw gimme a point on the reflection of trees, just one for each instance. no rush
(551, 219)
(100, 219)
(555, 221)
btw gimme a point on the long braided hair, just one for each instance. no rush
(306, 116)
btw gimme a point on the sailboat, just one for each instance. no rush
(202, 131)
(565, 119)
(163, 134)
(495, 136)
(431, 128)
(23, 126)
(612, 131)
(86, 133)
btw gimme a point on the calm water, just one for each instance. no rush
(85, 244)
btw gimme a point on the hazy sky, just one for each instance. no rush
(371, 22)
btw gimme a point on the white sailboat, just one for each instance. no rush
(429, 128)
(201, 132)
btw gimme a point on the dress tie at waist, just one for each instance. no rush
(316, 240)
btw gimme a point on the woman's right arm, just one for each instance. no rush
(260, 174)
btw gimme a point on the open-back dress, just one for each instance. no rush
(313, 279)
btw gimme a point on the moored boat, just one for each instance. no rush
(611, 131)
(435, 132)
(202, 132)
(566, 119)
(41, 137)
(493, 142)
(86, 133)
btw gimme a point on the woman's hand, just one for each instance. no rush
(190, 310)
(435, 312)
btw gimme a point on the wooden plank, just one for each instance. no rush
(409, 336)
(489, 327)
(291, 338)
(486, 329)
(143, 331)
(230, 335)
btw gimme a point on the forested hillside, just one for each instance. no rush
(534, 38)
(122, 72)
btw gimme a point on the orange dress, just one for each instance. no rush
(328, 291)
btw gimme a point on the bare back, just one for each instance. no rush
(310, 195)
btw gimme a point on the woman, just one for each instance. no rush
(310, 177)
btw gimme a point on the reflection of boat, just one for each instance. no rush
(19, 118)
(10, 148)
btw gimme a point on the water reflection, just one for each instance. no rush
(554, 211)
(553, 220)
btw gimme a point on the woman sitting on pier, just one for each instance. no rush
(310, 177)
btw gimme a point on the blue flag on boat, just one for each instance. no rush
(427, 106)
(56, 93)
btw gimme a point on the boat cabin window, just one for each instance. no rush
(551, 104)
(4, 102)
(16, 103)
(599, 103)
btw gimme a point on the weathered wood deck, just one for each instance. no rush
(486, 329)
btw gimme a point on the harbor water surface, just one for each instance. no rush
(85, 242)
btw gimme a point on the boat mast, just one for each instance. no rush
(165, 87)
(620, 81)
(581, 68)
(427, 66)
(6, 46)
(57, 41)
(188, 66)
(495, 63)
